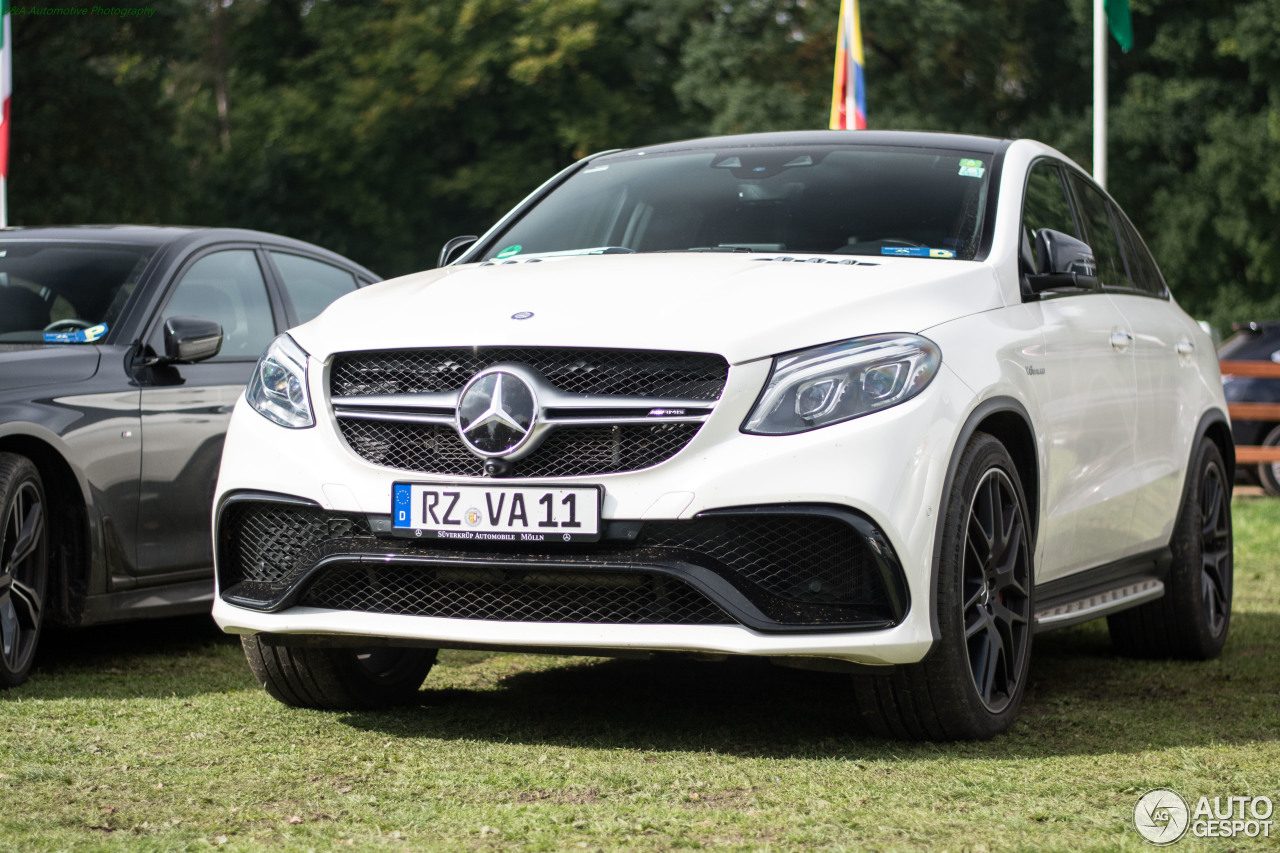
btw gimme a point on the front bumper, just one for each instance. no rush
(878, 478)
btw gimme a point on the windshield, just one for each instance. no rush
(909, 202)
(65, 292)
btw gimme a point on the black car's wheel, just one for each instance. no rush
(971, 684)
(339, 678)
(1192, 618)
(1269, 472)
(24, 554)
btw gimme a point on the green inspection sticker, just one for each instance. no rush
(509, 251)
(971, 168)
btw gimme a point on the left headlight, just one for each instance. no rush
(278, 390)
(837, 382)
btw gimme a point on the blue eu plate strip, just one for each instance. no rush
(401, 503)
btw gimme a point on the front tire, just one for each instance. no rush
(24, 566)
(971, 684)
(339, 679)
(1192, 618)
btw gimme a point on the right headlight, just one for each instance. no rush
(278, 389)
(825, 385)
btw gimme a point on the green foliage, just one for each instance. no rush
(383, 127)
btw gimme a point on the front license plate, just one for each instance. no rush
(496, 513)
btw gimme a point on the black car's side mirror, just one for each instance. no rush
(190, 339)
(1062, 261)
(453, 249)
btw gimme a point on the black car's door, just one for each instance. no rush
(186, 407)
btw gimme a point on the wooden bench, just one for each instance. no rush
(1253, 454)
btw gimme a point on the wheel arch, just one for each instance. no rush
(1008, 421)
(1215, 426)
(68, 520)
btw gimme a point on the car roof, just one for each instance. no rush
(876, 138)
(183, 236)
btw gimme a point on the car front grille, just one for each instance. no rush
(605, 372)
(567, 452)
(789, 568)
(515, 595)
(422, 445)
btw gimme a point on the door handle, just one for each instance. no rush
(1185, 348)
(1120, 341)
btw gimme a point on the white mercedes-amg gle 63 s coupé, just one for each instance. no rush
(882, 403)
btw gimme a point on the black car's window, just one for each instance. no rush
(310, 284)
(911, 202)
(1143, 271)
(1100, 234)
(1046, 205)
(65, 292)
(226, 287)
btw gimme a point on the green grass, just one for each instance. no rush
(154, 737)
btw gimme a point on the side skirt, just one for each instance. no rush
(1101, 591)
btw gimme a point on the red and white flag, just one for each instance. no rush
(6, 88)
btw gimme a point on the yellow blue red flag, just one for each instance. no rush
(849, 92)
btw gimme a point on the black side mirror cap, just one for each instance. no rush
(453, 249)
(1062, 261)
(190, 339)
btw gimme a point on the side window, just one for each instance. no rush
(310, 284)
(1142, 267)
(226, 287)
(1100, 234)
(1045, 206)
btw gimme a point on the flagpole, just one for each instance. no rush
(1100, 93)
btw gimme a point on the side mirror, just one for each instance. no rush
(453, 249)
(1062, 261)
(190, 339)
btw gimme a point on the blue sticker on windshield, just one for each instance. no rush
(916, 252)
(509, 251)
(76, 336)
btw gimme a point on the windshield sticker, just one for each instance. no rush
(916, 252)
(971, 168)
(77, 336)
(509, 251)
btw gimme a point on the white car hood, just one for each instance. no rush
(743, 307)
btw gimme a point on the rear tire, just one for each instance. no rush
(339, 679)
(24, 566)
(970, 685)
(1192, 618)
(1269, 473)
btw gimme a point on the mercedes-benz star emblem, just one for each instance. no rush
(496, 411)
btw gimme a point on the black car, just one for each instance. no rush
(122, 352)
(1254, 342)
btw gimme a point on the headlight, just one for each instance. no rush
(825, 385)
(278, 390)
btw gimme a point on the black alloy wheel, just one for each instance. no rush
(970, 685)
(1215, 549)
(1192, 619)
(24, 548)
(996, 584)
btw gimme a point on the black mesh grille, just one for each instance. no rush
(267, 544)
(641, 373)
(567, 452)
(801, 558)
(796, 568)
(515, 595)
